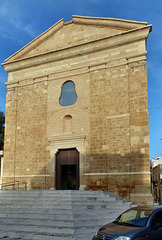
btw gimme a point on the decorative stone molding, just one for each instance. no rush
(81, 49)
(111, 22)
(37, 41)
(117, 173)
(66, 142)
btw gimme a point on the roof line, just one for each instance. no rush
(47, 55)
(109, 19)
(41, 37)
(111, 22)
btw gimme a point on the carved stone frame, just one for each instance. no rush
(66, 142)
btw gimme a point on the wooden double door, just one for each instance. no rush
(67, 169)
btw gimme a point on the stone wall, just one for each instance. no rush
(108, 122)
(1, 166)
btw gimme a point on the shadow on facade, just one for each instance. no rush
(121, 175)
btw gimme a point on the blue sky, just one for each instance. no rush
(23, 20)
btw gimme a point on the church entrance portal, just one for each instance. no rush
(67, 169)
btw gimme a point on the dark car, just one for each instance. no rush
(138, 223)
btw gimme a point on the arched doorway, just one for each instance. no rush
(67, 169)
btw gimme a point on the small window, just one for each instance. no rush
(68, 94)
(67, 124)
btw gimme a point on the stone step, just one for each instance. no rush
(51, 222)
(39, 222)
(57, 192)
(46, 230)
(77, 197)
(49, 214)
(13, 235)
(61, 197)
(88, 210)
(48, 193)
(16, 235)
(59, 217)
(61, 205)
(37, 216)
(34, 228)
(57, 198)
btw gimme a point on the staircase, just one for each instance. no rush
(56, 215)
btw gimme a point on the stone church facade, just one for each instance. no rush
(77, 109)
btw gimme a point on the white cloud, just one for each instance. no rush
(3, 11)
(12, 17)
(30, 30)
(10, 13)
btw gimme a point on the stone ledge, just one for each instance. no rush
(81, 49)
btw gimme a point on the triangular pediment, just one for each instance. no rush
(80, 30)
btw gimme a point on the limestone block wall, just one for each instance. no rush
(25, 153)
(108, 124)
(119, 154)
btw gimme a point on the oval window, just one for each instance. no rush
(68, 94)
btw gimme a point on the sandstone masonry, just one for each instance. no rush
(105, 59)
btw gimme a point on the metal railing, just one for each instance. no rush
(15, 185)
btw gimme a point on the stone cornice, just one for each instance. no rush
(101, 21)
(63, 138)
(109, 22)
(66, 73)
(81, 49)
(37, 41)
(116, 173)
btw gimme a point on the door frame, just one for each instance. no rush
(69, 156)
(63, 142)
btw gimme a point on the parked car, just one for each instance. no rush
(138, 223)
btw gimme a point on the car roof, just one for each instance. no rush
(148, 208)
(158, 207)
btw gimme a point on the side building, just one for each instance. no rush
(156, 170)
(77, 109)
